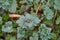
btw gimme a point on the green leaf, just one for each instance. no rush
(13, 7)
(1, 3)
(52, 36)
(30, 0)
(57, 5)
(34, 36)
(5, 5)
(20, 33)
(58, 20)
(1, 20)
(13, 38)
(36, 1)
(7, 27)
(1, 11)
(48, 22)
(59, 38)
(48, 13)
(44, 32)
(5, 17)
(9, 37)
(28, 21)
(23, 8)
(43, 2)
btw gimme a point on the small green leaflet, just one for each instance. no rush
(1, 11)
(13, 7)
(43, 2)
(5, 5)
(13, 38)
(58, 20)
(36, 1)
(10, 38)
(8, 5)
(30, 0)
(48, 13)
(5, 17)
(1, 3)
(23, 8)
(57, 4)
(34, 36)
(7, 27)
(1, 20)
(20, 33)
(48, 22)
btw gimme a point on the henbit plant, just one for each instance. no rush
(28, 21)
(7, 27)
(45, 32)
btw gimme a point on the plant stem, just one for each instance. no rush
(54, 21)
(37, 8)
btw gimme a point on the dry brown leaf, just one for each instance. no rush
(14, 15)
